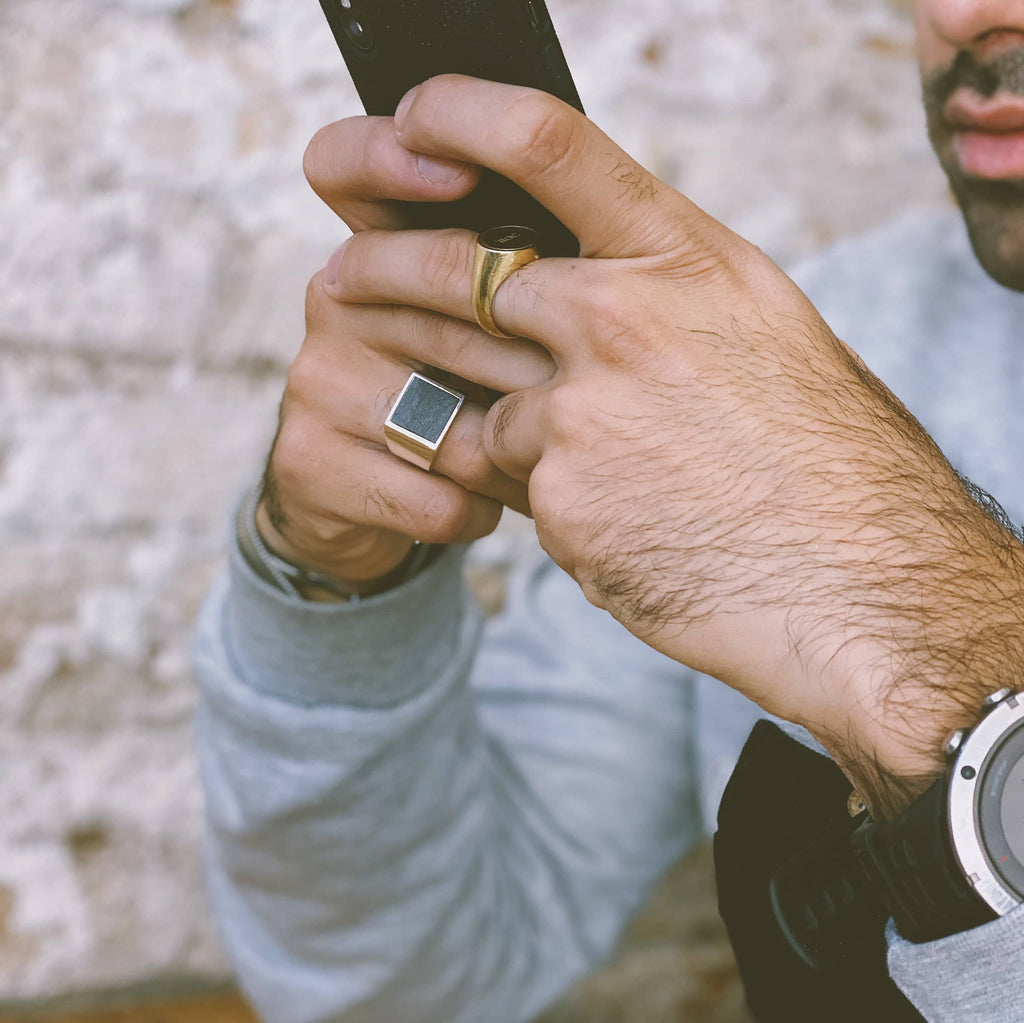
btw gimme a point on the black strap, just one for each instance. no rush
(783, 798)
(916, 869)
(826, 901)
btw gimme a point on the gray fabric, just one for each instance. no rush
(413, 815)
(461, 855)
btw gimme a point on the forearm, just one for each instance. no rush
(369, 803)
(931, 634)
(339, 766)
(343, 777)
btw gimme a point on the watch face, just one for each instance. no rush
(1000, 811)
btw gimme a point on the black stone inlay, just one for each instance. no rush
(425, 410)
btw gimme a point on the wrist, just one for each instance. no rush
(893, 755)
(952, 633)
(292, 577)
(892, 744)
(356, 566)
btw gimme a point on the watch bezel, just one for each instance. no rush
(984, 740)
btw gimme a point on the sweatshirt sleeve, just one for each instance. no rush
(413, 815)
(973, 977)
(977, 975)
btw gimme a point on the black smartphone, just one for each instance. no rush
(392, 45)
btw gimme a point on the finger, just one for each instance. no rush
(425, 340)
(418, 337)
(359, 168)
(361, 414)
(463, 457)
(551, 301)
(426, 269)
(514, 431)
(370, 487)
(612, 204)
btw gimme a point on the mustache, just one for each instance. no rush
(1005, 72)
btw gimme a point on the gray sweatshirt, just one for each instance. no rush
(417, 816)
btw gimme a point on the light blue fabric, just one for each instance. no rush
(414, 815)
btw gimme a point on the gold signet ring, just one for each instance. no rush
(500, 252)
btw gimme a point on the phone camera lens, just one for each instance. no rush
(360, 34)
(355, 26)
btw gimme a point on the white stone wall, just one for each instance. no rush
(156, 235)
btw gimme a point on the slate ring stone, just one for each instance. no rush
(500, 252)
(421, 418)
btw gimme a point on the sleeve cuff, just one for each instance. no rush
(976, 975)
(376, 653)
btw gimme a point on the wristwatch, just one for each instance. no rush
(953, 860)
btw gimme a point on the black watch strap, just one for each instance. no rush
(826, 902)
(917, 871)
(831, 900)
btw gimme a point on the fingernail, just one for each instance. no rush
(403, 108)
(331, 270)
(440, 172)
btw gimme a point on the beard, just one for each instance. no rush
(993, 210)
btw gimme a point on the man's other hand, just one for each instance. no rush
(708, 460)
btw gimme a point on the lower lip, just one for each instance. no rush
(986, 155)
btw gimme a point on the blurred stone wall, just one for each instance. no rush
(156, 235)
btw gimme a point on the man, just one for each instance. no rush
(417, 816)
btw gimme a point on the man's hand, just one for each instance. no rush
(335, 499)
(710, 463)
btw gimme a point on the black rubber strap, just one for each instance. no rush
(782, 799)
(917, 871)
(827, 903)
(832, 899)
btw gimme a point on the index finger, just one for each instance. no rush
(358, 168)
(613, 205)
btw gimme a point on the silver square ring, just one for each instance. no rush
(421, 419)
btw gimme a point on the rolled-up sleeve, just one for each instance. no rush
(414, 815)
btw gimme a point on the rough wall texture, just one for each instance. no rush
(156, 235)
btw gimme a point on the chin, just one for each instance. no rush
(994, 213)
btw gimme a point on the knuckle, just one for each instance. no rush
(358, 272)
(549, 508)
(470, 465)
(544, 488)
(749, 267)
(378, 142)
(561, 413)
(615, 311)
(316, 161)
(303, 383)
(444, 515)
(317, 301)
(488, 522)
(567, 412)
(448, 262)
(453, 338)
(541, 131)
(320, 530)
(700, 259)
(294, 448)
